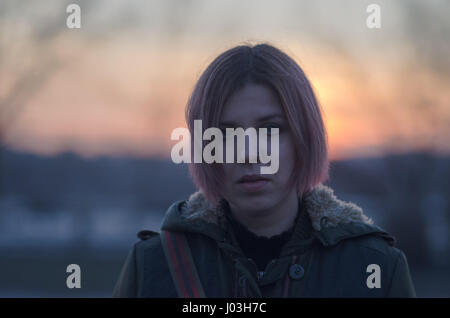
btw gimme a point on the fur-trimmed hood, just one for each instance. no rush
(332, 220)
(320, 202)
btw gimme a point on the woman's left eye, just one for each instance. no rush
(270, 128)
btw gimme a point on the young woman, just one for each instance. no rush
(246, 234)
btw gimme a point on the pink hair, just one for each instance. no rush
(267, 65)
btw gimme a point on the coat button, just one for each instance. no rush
(296, 271)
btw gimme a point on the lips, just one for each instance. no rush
(251, 178)
(252, 183)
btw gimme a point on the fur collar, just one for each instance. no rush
(324, 209)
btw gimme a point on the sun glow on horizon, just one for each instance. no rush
(125, 97)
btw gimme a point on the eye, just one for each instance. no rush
(224, 132)
(271, 126)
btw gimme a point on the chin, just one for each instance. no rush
(254, 201)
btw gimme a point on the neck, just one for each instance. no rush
(271, 221)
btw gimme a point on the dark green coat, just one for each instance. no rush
(328, 255)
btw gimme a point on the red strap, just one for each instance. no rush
(181, 264)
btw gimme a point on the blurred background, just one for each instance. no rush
(86, 116)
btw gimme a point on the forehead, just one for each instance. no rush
(250, 104)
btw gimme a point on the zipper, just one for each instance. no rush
(260, 274)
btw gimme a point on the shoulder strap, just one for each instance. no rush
(181, 265)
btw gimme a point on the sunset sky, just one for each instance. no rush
(119, 85)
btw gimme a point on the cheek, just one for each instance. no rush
(227, 169)
(287, 156)
(228, 173)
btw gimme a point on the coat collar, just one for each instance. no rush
(331, 219)
(323, 207)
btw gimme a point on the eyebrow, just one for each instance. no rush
(259, 120)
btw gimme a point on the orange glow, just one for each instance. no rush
(125, 97)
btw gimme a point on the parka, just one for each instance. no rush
(344, 254)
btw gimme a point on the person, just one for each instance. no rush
(246, 234)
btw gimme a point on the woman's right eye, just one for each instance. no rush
(270, 129)
(224, 133)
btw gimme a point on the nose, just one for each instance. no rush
(249, 151)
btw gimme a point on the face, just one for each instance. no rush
(257, 106)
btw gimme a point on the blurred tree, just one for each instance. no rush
(29, 31)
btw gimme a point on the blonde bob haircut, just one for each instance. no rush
(261, 64)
